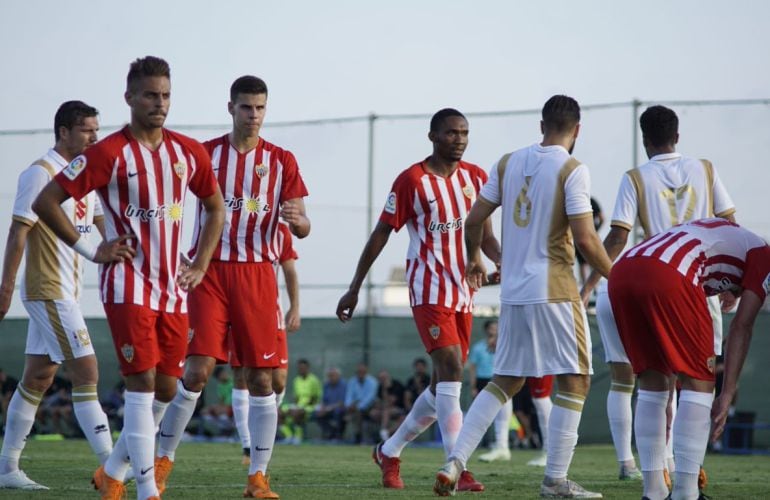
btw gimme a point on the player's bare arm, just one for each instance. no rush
(377, 241)
(293, 212)
(475, 271)
(614, 243)
(48, 207)
(14, 251)
(293, 320)
(588, 243)
(191, 276)
(738, 341)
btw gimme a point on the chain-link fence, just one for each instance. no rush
(350, 163)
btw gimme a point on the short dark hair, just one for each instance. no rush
(489, 323)
(147, 66)
(438, 119)
(71, 113)
(247, 84)
(560, 113)
(659, 125)
(303, 361)
(420, 361)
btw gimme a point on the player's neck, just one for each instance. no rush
(439, 166)
(562, 140)
(64, 152)
(151, 138)
(663, 150)
(243, 142)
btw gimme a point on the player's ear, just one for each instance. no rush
(431, 136)
(676, 138)
(127, 96)
(577, 131)
(230, 108)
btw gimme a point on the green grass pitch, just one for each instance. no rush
(213, 470)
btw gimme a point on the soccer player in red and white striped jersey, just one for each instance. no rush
(658, 293)
(142, 174)
(260, 181)
(432, 198)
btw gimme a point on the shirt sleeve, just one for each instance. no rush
(626, 205)
(723, 204)
(31, 182)
(292, 185)
(98, 208)
(399, 206)
(757, 276)
(287, 248)
(203, 183)
(577, 192)
(491, 189)
(91, 170)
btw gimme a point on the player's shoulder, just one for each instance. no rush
(411, 174)
(187, 142)
(110, 145)
(211, 144)
(277, 152)
(472, 168)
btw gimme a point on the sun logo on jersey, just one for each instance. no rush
(175, 211)
(180, 168)
(262, 170)
(253, 205)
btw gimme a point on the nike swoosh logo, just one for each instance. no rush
(133, 174)
(268, 356)
(166, 435)
(284, 361)
(145, 471)
(181, 364)
(257, 448)
(433, 200)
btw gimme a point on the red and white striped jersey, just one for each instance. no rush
(434, 209)
(254, 184)
(142, 194)
(715, 254)
(286, 252)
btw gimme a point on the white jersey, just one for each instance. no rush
(53, 270)
(542, 188)
(668, 190)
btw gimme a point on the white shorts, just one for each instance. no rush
(535, 340)
(614, 352)
(57, 330)
(715, 308)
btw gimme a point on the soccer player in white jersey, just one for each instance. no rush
(658, 293)
(432, 199)
(142, 174)
(51, 289)
(544, 193)
(667, 190)
(237, 299)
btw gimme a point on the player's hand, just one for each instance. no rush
(476, 274)
(728, 300)
(291, 213)
(117, 250)
(719, 411)
(347, 305)
(189, 277)
(184, 262)
(293, 320)
(6, 294)
(494, 278)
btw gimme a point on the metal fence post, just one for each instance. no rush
(369, 227)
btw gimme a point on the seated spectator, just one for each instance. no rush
(419, 381)
(7, 386)
(55, 415)
(361, 391)
(113, 405)
(389, 408)
(306, 390)
(331, 412)
(218, 417)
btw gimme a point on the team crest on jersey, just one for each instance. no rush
(390, 203)
(766, 285)
(262, 170)
(468, 191)
(434, 331)
(76, 166)
(180, 168)
(83, 337)
(711, 364)
(190, 335)
(128, 352)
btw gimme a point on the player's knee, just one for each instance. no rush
(197, 372)
(278, 385)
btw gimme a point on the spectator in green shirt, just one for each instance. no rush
(307, 393)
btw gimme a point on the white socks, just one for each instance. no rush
(278, 398)
(420, 417)
(691, 427)
(562, 434)
(669, 464)
(448, 413)
(480, 415)
(178, 415)
(621, 420)
(263, 423)
(543, 406)
(18, 424)
(502, 425)
(650, 430)
(139, 429)
(92, 420)
(241, 415)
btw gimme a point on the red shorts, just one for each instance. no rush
(442, 327)
(146, 339)
(282, 350)
(663, 319)
(540, 387)
(237, 297)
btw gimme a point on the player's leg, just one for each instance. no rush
(650, 431)
(241, 410)
(541, 388)
(280, 373)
